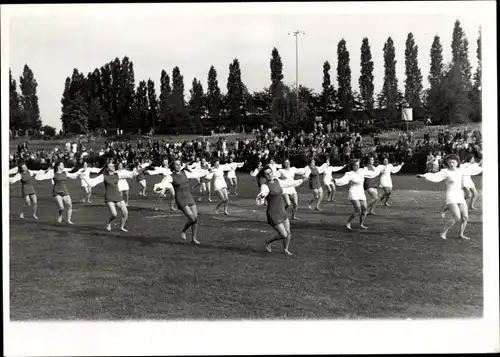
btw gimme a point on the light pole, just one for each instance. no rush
(296, 34)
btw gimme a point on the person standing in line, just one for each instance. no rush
(271, 191)
(60, 191)
(455, 201)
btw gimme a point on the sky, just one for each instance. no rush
(55, 39)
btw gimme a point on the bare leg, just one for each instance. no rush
(124, 211)
(113, 214)
(295, 205)
(357, 211)
(464, 217)
(69, 207)
(362, 216)
(319, 198)
(473, 198)
(60, 208)
(35, 205)
(455, 211)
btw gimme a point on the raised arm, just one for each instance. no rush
(157, 171)
(33, 173)
(344, 180)
(287, 184)
(125, 174)
(322, 168)
(300, 171)
(15, 178)
(45, 176)
(471, 170)
(307, 172)
(195, 174)
(435, 177)
(396, 169)
(92, 182)
(73, 175)
(369, 173)
(336, 168)
(264, 191)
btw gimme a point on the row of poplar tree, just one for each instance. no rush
(108, 97)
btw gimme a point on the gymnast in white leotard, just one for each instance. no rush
(386, 169)
(290, 195)
(455, 201)
(355, 178)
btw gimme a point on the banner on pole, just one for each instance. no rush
(407, 114)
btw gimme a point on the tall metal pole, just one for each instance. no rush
(296, 34)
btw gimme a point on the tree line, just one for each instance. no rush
(109, 98)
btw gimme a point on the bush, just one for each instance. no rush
(413, 125)
(370, 129)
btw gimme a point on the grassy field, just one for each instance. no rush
(399, 268)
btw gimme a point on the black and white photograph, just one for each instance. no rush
(250, 178)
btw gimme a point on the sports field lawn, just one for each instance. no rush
(399, 268)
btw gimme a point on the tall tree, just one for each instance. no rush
(165, 106)
(366, 87)
(413, 81)
(277, 92)
(16, 117)
(29, 98)
(107, 97)
(436, 69)
(141, 107)
(197, 105)
(126, 95)
(460, 53)
(153, 105)
(344, 79)
(389, 93)
(75, 109)
(178, 102)
(476, 87)
(116, 84)
(328, 92)
(235, 94)
(214, 100)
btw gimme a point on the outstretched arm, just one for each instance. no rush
(45, 176)
(264, 191)
(125, 174)
(344, 180)
(14, 170)
(287, 184)
(92, 182)
(195, 174)
(15, 178)
(435, 177)
(396, 169)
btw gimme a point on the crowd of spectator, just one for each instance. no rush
(300, 147)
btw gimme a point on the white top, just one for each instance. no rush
(385, 174)
(264, 189)
(328, 171)
(356, 179)
(218, 175)
(233, 166)
(122, 182)
(467, 180)
(453, 179)
(85, 173)
(288, 176)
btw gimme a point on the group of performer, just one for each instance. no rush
(277, 189)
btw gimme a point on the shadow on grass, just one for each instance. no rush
(143, 240)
